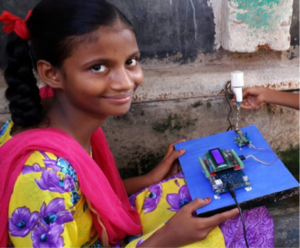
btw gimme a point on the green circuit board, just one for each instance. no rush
(223, 166)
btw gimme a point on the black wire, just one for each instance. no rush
(228, 116)
(232, 193)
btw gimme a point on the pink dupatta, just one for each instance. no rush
(99, 180)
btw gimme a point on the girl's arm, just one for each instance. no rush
(135, 184)
(255, 97)
(184, 228)
(166, 168)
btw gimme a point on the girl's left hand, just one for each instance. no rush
(168, 167)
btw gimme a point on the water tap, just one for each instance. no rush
(237, 84)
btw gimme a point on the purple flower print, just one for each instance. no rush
(132, 201)
(140, 242)
(30, 169)
(118, 245)
(153, 198)
(22, 222)
(180, 175)
(68, 183)
(55, 213)
(177, 201)
(50, 163)
(52, 182)
(177, 183)
(46, 237)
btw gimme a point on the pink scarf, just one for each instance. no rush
(99, 180)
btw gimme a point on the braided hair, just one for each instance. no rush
(56, 28)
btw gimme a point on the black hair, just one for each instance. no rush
(55, 28)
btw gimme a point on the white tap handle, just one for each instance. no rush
(237, 79)
(237, 83)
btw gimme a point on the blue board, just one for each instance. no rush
(265, 179)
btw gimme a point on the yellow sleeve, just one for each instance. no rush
(46, 208)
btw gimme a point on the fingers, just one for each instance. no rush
(217, 219)
(195, 204)
(173, 156)
(171, 147)
(175, 169)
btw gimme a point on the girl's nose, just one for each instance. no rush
(123, 80)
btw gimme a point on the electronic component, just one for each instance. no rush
(245, 178)
(222, 167)
(242, 139)
(218, 158)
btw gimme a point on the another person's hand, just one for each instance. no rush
(169, 166)
(253, 98)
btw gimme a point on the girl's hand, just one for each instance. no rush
(253, 98)
(184, 228)
(193, 229)
(169, 166)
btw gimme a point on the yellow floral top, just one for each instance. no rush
(47, 206)
(48, 209)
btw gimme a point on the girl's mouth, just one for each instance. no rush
(121, 98)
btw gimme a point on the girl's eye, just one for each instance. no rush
(131, 62)
(98, 68)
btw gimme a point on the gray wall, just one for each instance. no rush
(295, 24)
(163, 29)
(168, 27)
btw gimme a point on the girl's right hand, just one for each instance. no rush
(253, 97)
(184, 228)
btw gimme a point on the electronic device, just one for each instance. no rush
(242, 139)
(222, 167)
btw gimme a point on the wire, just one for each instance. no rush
(228, 116)
(263, 149)
(263, 162)
(232, 193)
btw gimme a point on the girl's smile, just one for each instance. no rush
(101, 75)
(121, 98)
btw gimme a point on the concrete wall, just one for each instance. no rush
(187, 63)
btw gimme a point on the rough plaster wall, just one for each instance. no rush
(150, 127)
(176, 29)
(186, 100)
(208, 76)
(246, 25)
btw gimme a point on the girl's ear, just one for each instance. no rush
(49, 74)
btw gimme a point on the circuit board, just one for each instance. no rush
(222, 167)
(242, 139)
(235, 178)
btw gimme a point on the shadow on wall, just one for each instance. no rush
(188, 26)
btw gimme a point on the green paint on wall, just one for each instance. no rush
(250, 4)
(258, 14)
(259, 19)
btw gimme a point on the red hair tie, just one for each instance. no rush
(16, 24)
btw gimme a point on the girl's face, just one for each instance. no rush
(102, 74)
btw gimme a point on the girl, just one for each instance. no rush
(59, 184)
